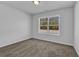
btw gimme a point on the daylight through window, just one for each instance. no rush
(50, 25)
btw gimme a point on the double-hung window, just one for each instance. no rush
(49, 25)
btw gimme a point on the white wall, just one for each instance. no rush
(14, 25)
(76, 43)
(66, 26)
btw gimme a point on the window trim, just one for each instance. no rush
(48, 31)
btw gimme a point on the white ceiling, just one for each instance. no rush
(29, 7)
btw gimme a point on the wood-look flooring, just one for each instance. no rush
(37, 48)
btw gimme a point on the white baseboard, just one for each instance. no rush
(15, 41)
(52, 41)
(30, 36)
(77, 51)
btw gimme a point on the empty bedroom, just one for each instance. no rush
(39, 28)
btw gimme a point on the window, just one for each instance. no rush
(49, 25)
(44, 24)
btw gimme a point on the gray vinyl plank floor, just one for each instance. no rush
(37, 48)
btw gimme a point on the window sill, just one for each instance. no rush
(51, 34)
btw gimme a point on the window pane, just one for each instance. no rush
(53, 28)
(43, 27)
(43, 23)
(43, 19)
(53, 21)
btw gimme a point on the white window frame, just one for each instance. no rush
(48, 32)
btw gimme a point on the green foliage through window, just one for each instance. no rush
(51, 23)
